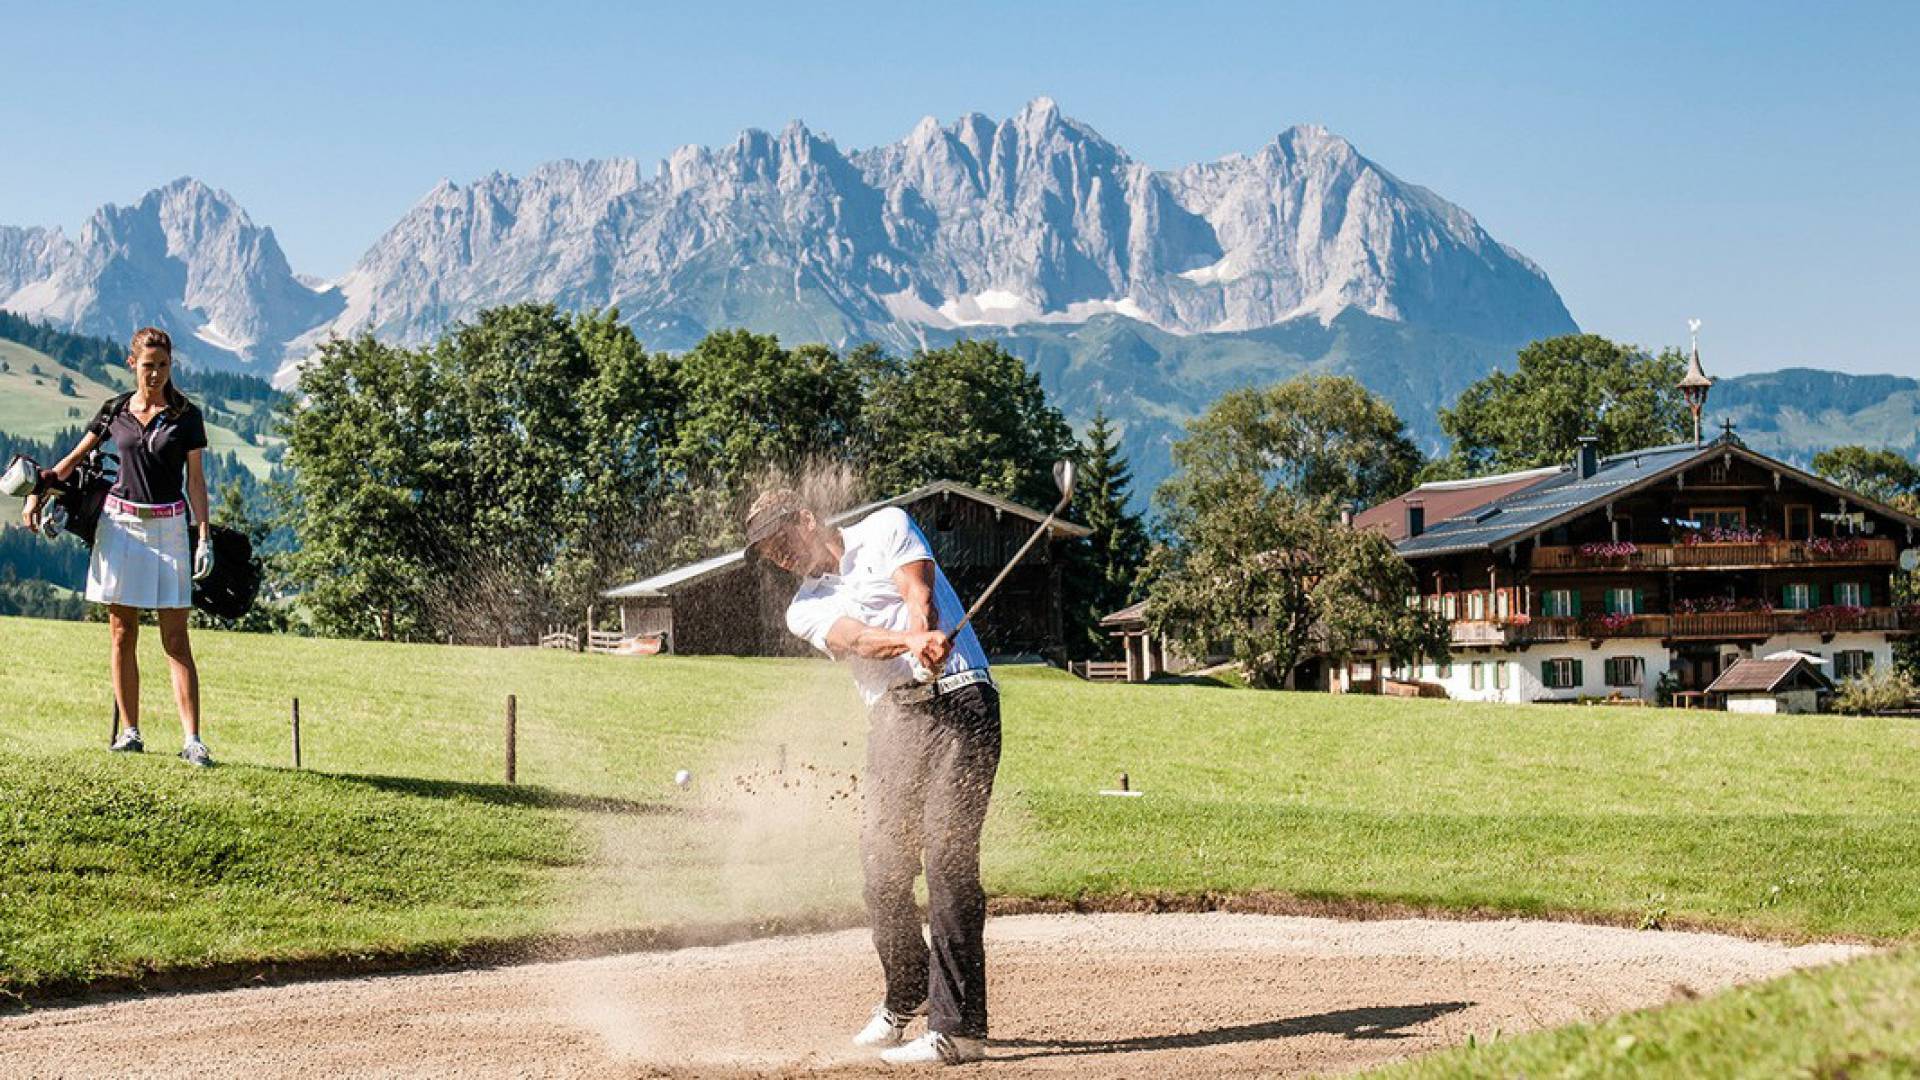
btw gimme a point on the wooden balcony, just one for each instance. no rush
(1695, 626)
(1759, 555)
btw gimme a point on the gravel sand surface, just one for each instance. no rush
(1101, 995)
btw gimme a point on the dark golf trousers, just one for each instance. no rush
(929, 775)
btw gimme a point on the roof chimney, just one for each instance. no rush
(1416, 517)
(1587, 461)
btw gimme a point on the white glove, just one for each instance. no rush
(203, 560)
(921, 672)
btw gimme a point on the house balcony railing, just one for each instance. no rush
(1753, 555)
(1706, 625)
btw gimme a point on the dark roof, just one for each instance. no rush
(1767, 676)
(1132, 613)
(1547, 501)
(1444, 500)
(1563, 495)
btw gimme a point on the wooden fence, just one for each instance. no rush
(1100, 670)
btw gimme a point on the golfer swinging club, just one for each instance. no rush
(871, 594)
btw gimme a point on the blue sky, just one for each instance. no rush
(1750, 164)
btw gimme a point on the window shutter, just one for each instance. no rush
(1866, 594)
(1612, 607)
(1813, 595)
(1574, 595)
(1639, 601)
(1579, 678)
(1786, 596)
(1546, 673)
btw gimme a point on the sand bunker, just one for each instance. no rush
(1109, 995)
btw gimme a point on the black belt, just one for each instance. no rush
(919, 693)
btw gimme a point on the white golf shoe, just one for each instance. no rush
(937, 1048)
(887, 1028)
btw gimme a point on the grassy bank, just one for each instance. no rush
(400, 834)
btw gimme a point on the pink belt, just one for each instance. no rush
(118, 505)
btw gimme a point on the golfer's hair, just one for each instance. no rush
(152, 337)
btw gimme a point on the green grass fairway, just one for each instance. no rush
(400, 838)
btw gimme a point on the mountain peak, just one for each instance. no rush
(1032, 218)
(1042, 109)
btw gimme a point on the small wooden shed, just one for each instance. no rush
(1787, 685)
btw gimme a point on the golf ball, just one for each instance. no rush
(683, 778)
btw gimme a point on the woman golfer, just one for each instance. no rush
(141, 551)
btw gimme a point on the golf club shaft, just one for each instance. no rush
(987, 594)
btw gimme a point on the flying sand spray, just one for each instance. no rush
(1063, 477)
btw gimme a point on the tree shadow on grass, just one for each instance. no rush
(1192, 680)
(1370, 1022)
(525, 795)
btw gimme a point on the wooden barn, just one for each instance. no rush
(725, 605)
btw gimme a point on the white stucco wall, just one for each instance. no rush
(1524, 682)
(1523, 668)
(1878, 644)
(1793, 701)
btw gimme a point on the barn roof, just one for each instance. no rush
(1767, 676)
(665, 584)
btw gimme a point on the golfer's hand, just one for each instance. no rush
(30, 516)
(935, 652)
(202, 561)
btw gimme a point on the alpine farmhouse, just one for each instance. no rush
(1643, 575)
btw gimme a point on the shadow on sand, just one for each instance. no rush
(1371, 1022)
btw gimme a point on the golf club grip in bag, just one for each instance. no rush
(229, 591)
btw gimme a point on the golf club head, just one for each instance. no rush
(1063, 477)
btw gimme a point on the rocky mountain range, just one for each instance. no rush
(1142, 291)
(1033, 219)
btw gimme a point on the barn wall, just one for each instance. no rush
(742, 611)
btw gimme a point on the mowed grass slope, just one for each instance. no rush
(401, 838)
(32, 406)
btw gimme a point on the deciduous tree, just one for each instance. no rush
(1320, 437)
(1273, 577)
(1561, 389)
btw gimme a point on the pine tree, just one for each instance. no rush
(1118, 545)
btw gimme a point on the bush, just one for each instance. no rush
(1878, 691)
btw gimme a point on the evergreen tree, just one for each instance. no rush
(1104, 578)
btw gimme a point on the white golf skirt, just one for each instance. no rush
(141, 562)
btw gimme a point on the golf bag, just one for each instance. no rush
(77, 501)
(229, 591)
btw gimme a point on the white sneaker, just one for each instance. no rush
(937, 1048)
(887, 1028)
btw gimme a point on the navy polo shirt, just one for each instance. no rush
(153, 456)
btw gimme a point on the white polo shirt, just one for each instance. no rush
(863, 590)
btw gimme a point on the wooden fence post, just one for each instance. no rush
(513, 708)
(296, 733)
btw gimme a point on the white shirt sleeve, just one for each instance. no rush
(900, 543)
(811, 618)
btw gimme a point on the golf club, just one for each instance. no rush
(1063, 477)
